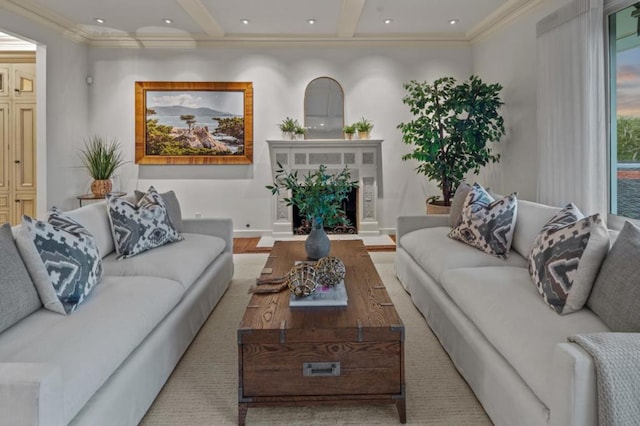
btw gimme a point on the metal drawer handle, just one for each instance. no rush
(321, 369)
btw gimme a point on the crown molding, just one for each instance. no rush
(18, 57)
(47, 18)
(501, 18)
(276, 42)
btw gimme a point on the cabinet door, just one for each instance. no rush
(24, 155)
(5, 164)
(4, 81)
(4, 207)
(24, 82)
(25, 203)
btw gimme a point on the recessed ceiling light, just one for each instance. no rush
(99, 20)
(311, 21)
(388, 21)
(454, 21)
(245, 21)
(167, 21)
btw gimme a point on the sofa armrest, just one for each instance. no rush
(574, 399)
(406, 224)
(30, 394)
(222, 228)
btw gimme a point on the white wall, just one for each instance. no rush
(372, 81)
(508, 57)
(64, 105)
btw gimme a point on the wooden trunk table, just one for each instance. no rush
(322, 355)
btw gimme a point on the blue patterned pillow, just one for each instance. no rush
(566, 258)
(487, 224)
(62, 258)
(142, 226)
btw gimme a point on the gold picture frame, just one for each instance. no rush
(175, 122)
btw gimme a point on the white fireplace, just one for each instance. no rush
(362, 157)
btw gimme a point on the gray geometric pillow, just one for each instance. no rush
(487, 224)
(140, 227)
(62, 258)
(566, 257)
(172, 205)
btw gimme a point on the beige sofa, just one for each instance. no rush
(105, 363)
(504, 340)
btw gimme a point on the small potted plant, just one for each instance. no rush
(349, 130)
(101, 158)
(299, 132)
(318, 196)
(288, 127)
(364, 126)
(452, 129)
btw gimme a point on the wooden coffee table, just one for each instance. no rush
(322, 356)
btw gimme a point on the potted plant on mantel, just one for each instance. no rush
(288, 127)
(349, 130)
(452, 126)
(364, 127)
(101, 158)
(319, 198)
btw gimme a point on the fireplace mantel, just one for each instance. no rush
(362, 157)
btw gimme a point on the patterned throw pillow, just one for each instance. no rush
(142, 226)
(487, 224)
(566, 257)
(62, 258)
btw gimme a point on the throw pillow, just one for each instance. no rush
(62, 258)
(566, 257)
(615, 297)
(142, 226)
(487, 224)
(455, 214)
(18, 295)
(172, 205)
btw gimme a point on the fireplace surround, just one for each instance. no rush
(362, 157)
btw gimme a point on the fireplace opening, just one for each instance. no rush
(350, 207)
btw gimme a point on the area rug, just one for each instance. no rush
(203, 389)
(376, 240)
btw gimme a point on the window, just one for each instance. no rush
(624, 89)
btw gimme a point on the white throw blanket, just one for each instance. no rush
(617, 360)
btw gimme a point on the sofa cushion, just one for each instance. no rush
(95, 219)
(89, 345)
(531, 218)
(182, 262)
(435, 252)
(172, 205)
(18, 295)
(142, 226)
(62, 258)
(487, 224)
(566, 257)
(508, 311)
(615, 297)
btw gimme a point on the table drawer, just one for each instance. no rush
(321, 369)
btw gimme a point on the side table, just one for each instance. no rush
(93, 197)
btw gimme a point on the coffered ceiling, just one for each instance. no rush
(202, 22)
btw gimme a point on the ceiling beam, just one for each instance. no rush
(349, 17)
(201, 15)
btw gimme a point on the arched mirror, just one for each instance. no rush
(324, 109)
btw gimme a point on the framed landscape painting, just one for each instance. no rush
(194, 122)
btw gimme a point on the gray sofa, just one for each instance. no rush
(504, 340)
(105, 363)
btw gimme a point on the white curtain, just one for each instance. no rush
(571, 108)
